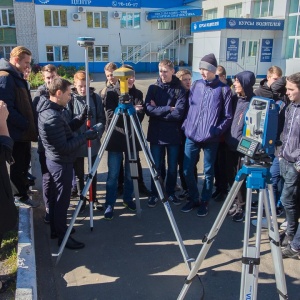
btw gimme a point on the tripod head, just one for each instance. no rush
(123, 74)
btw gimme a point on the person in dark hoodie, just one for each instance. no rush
(21, 121)
(60, 146)
(75, 107)
(166, 106)
(209, 116)
(243, 85)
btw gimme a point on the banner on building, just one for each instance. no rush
(232, 49)
(266, 50)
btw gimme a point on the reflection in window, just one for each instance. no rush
(55, 18)
(130, 20)
(98, 53)
(97, 19)
(166, 24)
(210, 14)
(263, 8)
(131, 53)
(233, 11)
(57, 53)
(252, 50)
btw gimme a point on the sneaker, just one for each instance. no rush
(144, 192)
(183, 195)
(189, 206)
(264, 223)
(233, 210)
(221, 197)
(279, 211)
(152, 201)
(238, 216)
(174, 200)
(130, 205)
(285, 239)
(283, 226)
(203, 209)
(27, 201)
(289, 252)
(109, 213)
(47, 218)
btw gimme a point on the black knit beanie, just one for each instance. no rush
(209, 63)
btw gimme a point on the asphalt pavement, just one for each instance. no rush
(139, 258)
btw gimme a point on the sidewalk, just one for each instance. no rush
(132, 258)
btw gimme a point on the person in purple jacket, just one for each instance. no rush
(209, 116)
(166, 106)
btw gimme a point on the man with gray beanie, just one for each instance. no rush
(209, 116)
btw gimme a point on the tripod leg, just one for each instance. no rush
(210, 237)
(132, 157)
(143, 142)
(86, 187)
(275, 245)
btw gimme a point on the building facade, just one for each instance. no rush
(243, 34)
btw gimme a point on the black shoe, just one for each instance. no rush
(72, 244)
(30, 176)
(221, 197)
(74, 193)
(53, 234)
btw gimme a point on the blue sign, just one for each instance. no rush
(175, 13)
(232, 49)
(237, 23)
(266, 50)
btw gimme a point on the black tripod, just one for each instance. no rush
(126, 108)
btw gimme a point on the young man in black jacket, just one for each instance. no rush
(60, 148)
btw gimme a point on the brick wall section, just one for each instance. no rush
(26, 27)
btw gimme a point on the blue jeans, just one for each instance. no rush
(276, 180)
(114, 160)
(289, 195)
(191, 152)
(158, 153)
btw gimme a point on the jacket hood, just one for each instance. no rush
(278, 86)
(45, 104)
(5, 65)
(247, 81)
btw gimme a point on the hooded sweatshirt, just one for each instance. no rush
(240, 107)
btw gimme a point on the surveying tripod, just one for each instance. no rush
(257, 176)
(126, 108)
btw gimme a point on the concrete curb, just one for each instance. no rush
(26, 275)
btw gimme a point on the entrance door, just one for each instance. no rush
(248, 57)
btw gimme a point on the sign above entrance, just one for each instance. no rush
(237, 23)
(175, 13)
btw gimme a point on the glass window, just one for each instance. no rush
(233, 11)
(252, 50)
(297, 50)
(5, 51)
(131, 53)
(130, 20)
(210, 14)
(57, 53)
(100, 53)
(292, 22)
(263, 8)
(294, 7)
(7, 17)
(55, 18)
(97, 19)
(166, 24)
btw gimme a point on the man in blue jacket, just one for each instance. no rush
(209, 116)
(165, 105)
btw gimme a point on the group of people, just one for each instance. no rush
(184, 118)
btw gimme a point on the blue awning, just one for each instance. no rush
(186, 11)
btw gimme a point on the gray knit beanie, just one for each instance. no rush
(209, 63)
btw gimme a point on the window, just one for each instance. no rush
(55, 18)
(131, 20)
(99, 53)
(5, 51)
(131, 53)
(57, 53)
(263, 8)
(97, 19)
(292, 49)
(233, 11)
(166, 24)
(210, 14)
(168, 54)
(7, 17)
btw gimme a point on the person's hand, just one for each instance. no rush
(3, 111)
(91, 134)
(172, 108)
(152, 103)
(138, 107)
